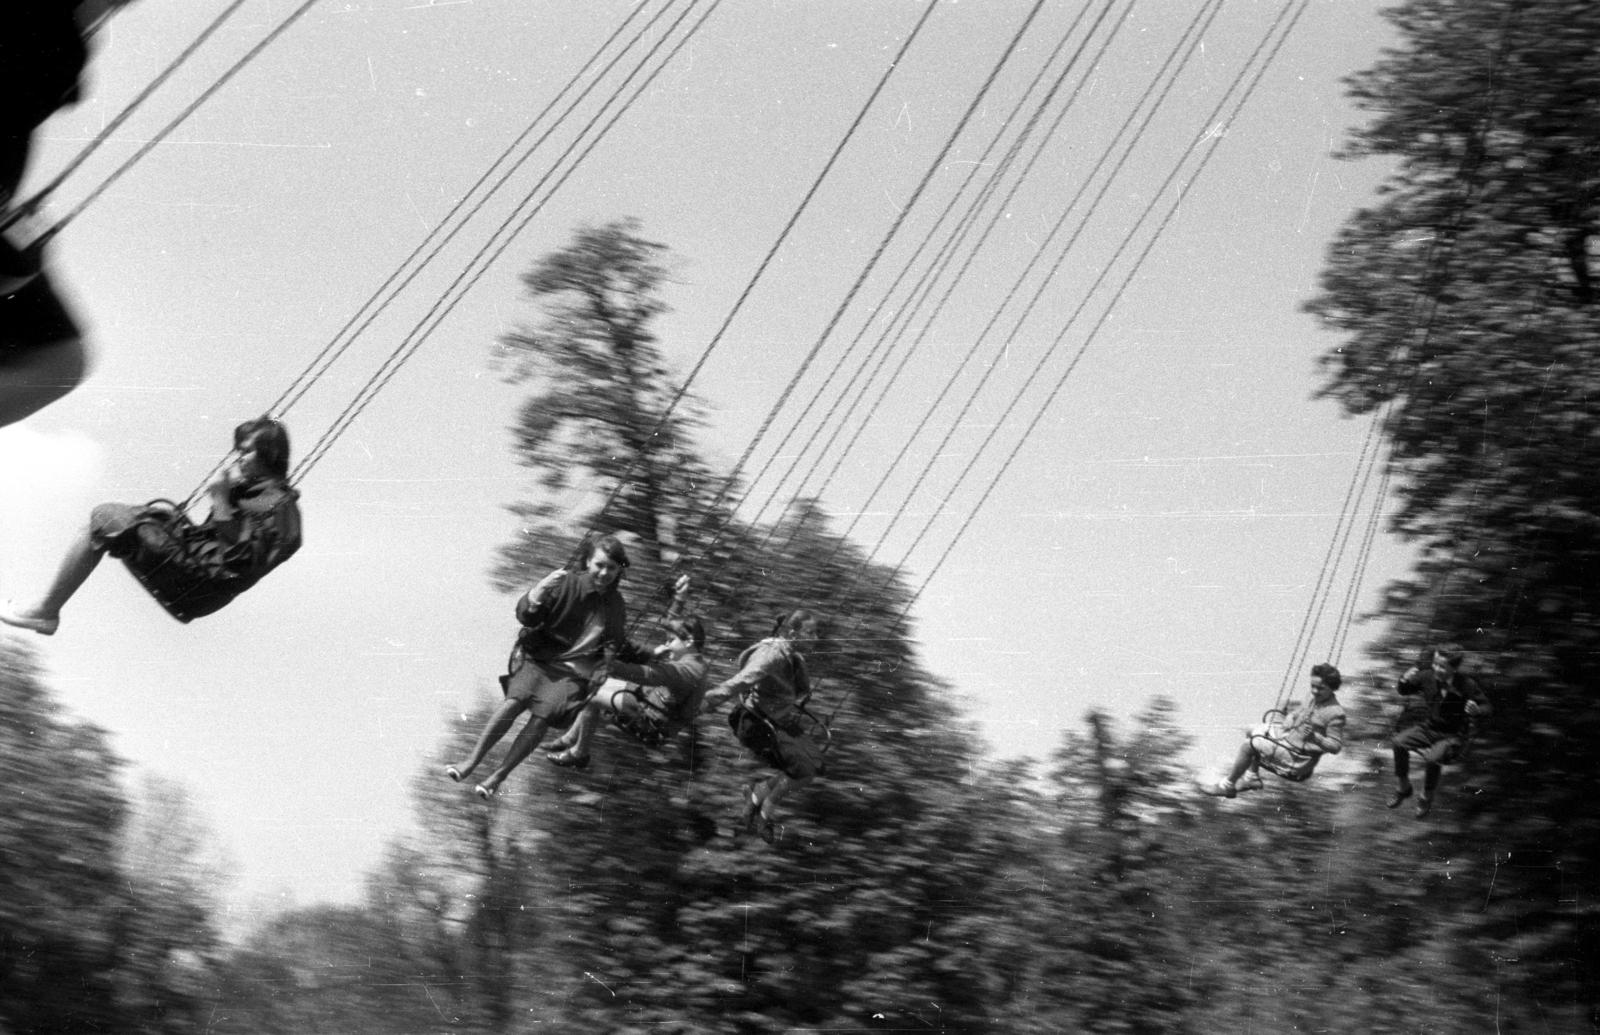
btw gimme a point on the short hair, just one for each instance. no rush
(693, 630)
(271, 443)
(788, 625)
(1450, 653)
(609, 545)
(1328, 674)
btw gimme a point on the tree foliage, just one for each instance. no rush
(1470, 314)
(105, 917)
(921, 885)
(604, 419)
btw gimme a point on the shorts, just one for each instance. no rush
(794, 753)
(1433, 746)
(1276, 756)
(123, 531)
(553, 693)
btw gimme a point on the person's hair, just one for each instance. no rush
(693, 630)
(1328, 674)
(271, 442)
(1450, 654)
(788, 626)
(609, 545)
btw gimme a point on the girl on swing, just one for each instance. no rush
(772, 685)
(568, 620)
(192, 569)
(1292, 746)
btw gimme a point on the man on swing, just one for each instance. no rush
(1290, 748)
(1440, 705)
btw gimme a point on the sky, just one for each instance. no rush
(1159, 531)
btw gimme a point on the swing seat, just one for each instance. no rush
(1297, 771)
(649, 725)
(167, 564)
(785, 750)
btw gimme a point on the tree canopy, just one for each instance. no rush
(1468, 306)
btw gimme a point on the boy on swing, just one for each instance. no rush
(1290, 748)
(1440, 706)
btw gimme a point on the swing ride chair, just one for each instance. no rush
(1298, 774)
(177, 581)
(649, 725)
(816, 727)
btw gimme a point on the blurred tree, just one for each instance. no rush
(598, 424)
(60, 887)
(165, 932)
(1468, 301)
(1115, 955)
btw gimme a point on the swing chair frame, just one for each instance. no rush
(1297, 775)
(173, 581)
(771, 756)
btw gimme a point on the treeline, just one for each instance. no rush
(921, 886)
(107, 915)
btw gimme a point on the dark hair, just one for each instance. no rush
(609, 545)
(271, 443)
(1451, 654)
(1328, 674)
(693, 630)
(788, 625)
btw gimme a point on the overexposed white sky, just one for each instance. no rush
(1159, 532)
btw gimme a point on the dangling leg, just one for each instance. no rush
(1242, 761)
(44, 617)
(768, 795)
(1402, 776)
(521, 748)
(1431, 772)
(496, 728)
(571, 749)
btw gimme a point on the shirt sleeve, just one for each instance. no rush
(1331, 739)
(532, 606)
(753, 672)
(677, 676)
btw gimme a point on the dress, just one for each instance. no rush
(771, 682)
(194, 570)
(1434, 721)
(567, 622)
